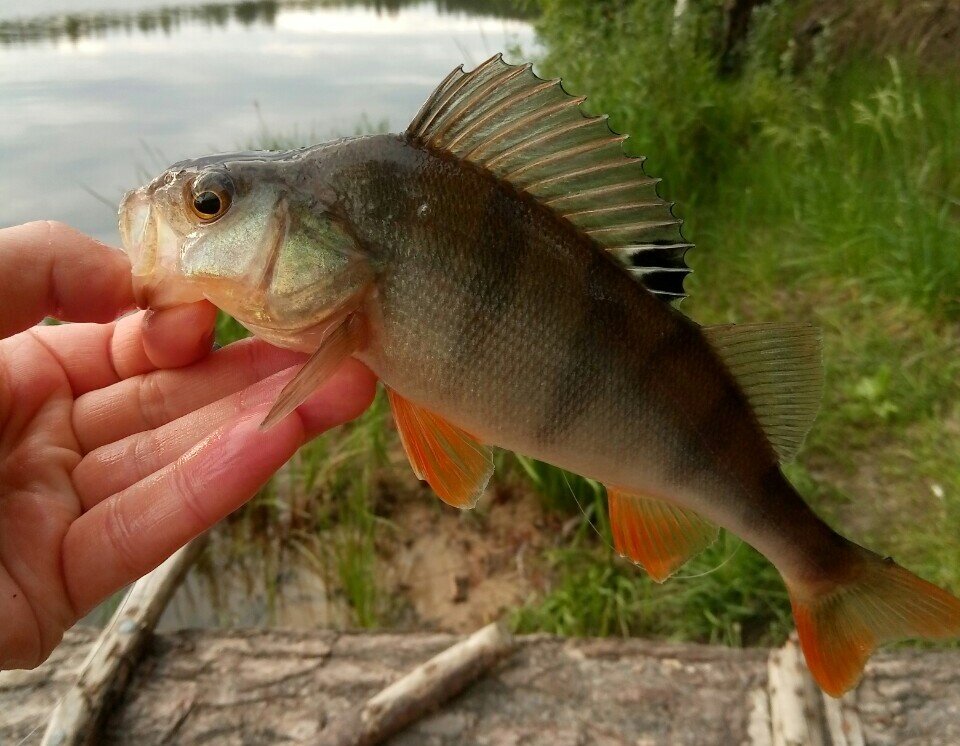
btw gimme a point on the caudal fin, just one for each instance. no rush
(840, 625)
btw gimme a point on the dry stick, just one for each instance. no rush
(801, 714)
(115, 653)
(420, 691)
(795, 700)
(843, 720)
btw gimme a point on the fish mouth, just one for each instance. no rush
(134, 218)
(154, 252)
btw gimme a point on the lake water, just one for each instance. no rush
(97, 95)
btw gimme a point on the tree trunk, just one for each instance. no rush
(287, 687)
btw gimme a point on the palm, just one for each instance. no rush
(38, 452)
(121, 441)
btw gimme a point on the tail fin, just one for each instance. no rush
(879, 602)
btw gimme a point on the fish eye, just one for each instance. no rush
(209, 199)
(209, 205)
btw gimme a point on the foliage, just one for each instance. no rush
(729, 595)
(827, 191)
(319, 513)
(860, 160)
(830, 194)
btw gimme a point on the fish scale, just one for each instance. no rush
(438, 327)
(509, 273)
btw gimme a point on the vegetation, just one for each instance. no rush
(816, 187)
(831, 194)
(318, 511)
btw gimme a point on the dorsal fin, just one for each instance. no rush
(778, 367)
(531, 133)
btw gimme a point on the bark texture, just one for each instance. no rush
(76, 718)
(258, 686)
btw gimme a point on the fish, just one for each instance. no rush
(512, 277)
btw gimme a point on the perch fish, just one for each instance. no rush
(509, 274)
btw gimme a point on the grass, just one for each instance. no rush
(829, 194)
(832, 197)
(318, 512)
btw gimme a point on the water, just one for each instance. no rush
(98, 95)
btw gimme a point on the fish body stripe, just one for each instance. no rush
(591, 354)
(495, 280)
(508, 320)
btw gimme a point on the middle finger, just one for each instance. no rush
(114, 467)
(148, 401)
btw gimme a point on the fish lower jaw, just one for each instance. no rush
(159, 291)
(306, 339)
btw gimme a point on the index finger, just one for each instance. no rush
(50, 269)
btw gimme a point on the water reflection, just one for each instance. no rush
(75, 26)
(90, 113)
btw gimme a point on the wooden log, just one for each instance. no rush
(759, 731)
(113, 656)
(283, 686)
(843, 720)
(420, 691)
(795, 700)
(800, 712)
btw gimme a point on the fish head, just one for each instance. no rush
(250, 234)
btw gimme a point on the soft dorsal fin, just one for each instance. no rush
(778, 367)
(531, 133)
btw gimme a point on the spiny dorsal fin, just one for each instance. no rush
(531, 133)
(778, 367)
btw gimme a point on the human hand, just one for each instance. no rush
(121, 440)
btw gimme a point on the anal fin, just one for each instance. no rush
(656, 534)
(452, 462)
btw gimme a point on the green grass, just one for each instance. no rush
(830, 195)
(319, 512)
(714, 598)
(728, 595)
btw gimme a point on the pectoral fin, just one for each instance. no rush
(656, 534)
(336, 347)
(452, 462)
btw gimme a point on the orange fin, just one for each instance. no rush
(452, 462)
(655, 533)
(881, 602)
(336, 347)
